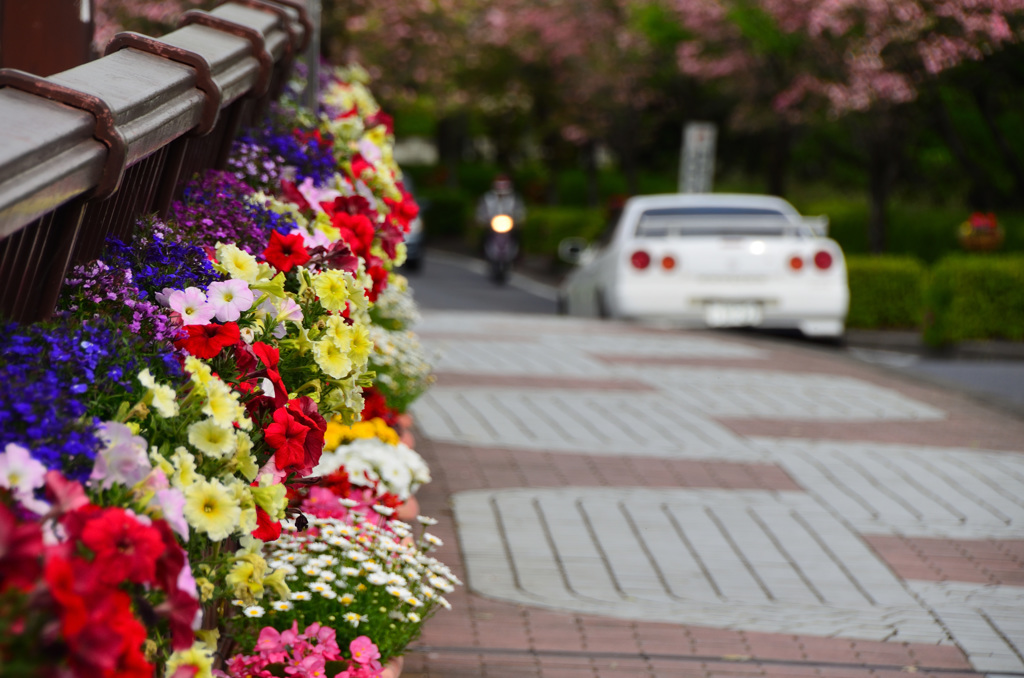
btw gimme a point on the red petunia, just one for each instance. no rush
(375, 406)
(290, 192)
(287, 437)
(21, 546)
(266, 529)
(206, 341)
(285, 251)
(124, 548)
(356, 231)
(360, 166)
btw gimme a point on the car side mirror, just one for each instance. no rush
(570, 250)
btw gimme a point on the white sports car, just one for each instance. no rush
(713, 260)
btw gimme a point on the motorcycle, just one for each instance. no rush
(500, 247)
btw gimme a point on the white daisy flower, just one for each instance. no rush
(301, 595)
(254, 611)
(413, 617)
(354, 618)
(327, 575)
(310, 570)
(377, 578)
(350, 571)
(426, 520)
(282, 605)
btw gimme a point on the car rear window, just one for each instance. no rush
(736, 222)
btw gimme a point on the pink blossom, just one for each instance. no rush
(270, 646)
(171, 503)
(229, 298)
(191, 305)
(363, 650)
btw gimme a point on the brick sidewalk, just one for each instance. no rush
(884, 551)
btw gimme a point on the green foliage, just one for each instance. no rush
(476, 178)
(447, 212)
(573, 188)
(415, 119)
(657, 23)
(761, 30)
(886, 292)
(545, 227)
(975, 297)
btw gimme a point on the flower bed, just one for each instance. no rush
(166, 504)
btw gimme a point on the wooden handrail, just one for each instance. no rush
(149, 114)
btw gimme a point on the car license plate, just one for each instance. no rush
(732, 314)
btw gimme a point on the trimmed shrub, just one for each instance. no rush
(975, 297)
(886, 292)
(546, 226)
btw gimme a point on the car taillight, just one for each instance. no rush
(796, 263)
(668, 262)
(640, 259)
(823, 260)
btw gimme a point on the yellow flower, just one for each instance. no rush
(245, 461)
(271, 498)
(236, 263)
(222, 403)
(332, 288)
(211, 438)
(275, 581)
(199, 372)
(185, 468)
(206, 588)
(338, 330)
(199, 656)
(361, 344)
(211, 508)
(163, 398)
(331, 358)
(246, 577)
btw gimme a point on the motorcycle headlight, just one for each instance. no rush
(501, 223)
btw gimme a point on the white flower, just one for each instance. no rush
(254, 611)
(329, 594)
(164, 398)
(282, 605)
(310, 570)
(327, 575)
(354, 618)
(431, 539)
(229, 298)
(350, 571)
(413, 617)
(357, 556)
(444, 602)
(383, 510)
(377, 578)
(302, 595)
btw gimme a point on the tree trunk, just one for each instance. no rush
(883, 162)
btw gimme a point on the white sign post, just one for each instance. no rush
(697, 161)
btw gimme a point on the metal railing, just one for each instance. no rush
(86, 152)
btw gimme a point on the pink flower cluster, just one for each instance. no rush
(305, 654)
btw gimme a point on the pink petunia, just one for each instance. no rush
(191, 305)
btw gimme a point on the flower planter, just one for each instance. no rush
(393, 669)
(408, 511)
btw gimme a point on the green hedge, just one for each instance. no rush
(975, 297)
(886, 292)
(546, 226)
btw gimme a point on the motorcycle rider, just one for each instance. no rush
(501, 199)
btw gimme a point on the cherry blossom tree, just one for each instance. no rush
(793, 59)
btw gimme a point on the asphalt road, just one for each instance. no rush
(458, 283)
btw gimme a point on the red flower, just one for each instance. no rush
(125, 549)
(290, 192)
(206, 341)
(21, 546)
(381, 118)
(285, 251)
(360, 166)
(356, 231)
(288, 438)
(270, 357)
(375, 405)
(66, 495)
(266, 529)
(379, 275)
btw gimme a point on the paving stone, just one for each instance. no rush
(616, 552)
(572, 421)
(910, 490)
